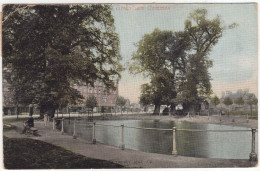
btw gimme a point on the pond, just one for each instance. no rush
(225, 145)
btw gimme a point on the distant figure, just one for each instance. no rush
(28, 124)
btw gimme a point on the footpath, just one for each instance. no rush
(127, 158)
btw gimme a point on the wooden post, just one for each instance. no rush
(174, 149)
(122, 145)
(208, 114)
(253, 155)
(94, 133)
(62, 126)
(74, 129)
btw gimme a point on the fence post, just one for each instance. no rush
(208, 114)
(74, 129)
(94, 133)
(45, 119)
(122, 145)
(174, 149)
(253, 155)
(62, 126)
(53, 123)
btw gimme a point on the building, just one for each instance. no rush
(106, 98)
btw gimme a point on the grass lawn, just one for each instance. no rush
(25, 153)
(11, 120)
(238, 112)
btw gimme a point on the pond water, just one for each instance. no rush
(226, 145)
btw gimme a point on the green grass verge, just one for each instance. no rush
(244, 113)
(24, 153)
(7, 127)
(11, 120)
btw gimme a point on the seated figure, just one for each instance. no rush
(28, 124)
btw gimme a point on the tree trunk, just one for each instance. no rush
(172, 109)
(192, 109)
(51, 112)
(31, 111)
(251, 110)
(42, 111)
(157, 109)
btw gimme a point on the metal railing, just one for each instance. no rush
(252, 155)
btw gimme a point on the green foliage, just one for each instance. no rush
(91, 102)
(239, 101)
(120, 101)
(48, 48)
(228, 101)
(252, 100)
(214, 100)
(34, 154)
(177, 62)
(160, 55)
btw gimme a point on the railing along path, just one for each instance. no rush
(252, 155)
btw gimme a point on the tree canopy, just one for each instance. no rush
(177, 63)
(239, 101)
(50, 47)
(228, 101)
(91, 102)
(160, 56)
(215, 100)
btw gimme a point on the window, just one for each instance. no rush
(90, 90)
(95, 90)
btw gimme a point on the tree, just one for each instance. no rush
(251, 100)
(121, 101)
(49, 48)
(91, 102)
(239, 101)
(159, 56)
(215, 100)
(228, 101)
(177, 63)
(204, 33)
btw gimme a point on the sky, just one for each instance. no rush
(234, 56)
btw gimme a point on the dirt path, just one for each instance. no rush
(128, 158)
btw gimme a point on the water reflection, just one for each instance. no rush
(228, 145)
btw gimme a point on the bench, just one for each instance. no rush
(32, 130)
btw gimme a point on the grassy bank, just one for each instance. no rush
(24, 153)
(244, 113)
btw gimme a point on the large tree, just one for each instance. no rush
(49, 47)
(160, 56)
(204, 33)
(177, 63)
